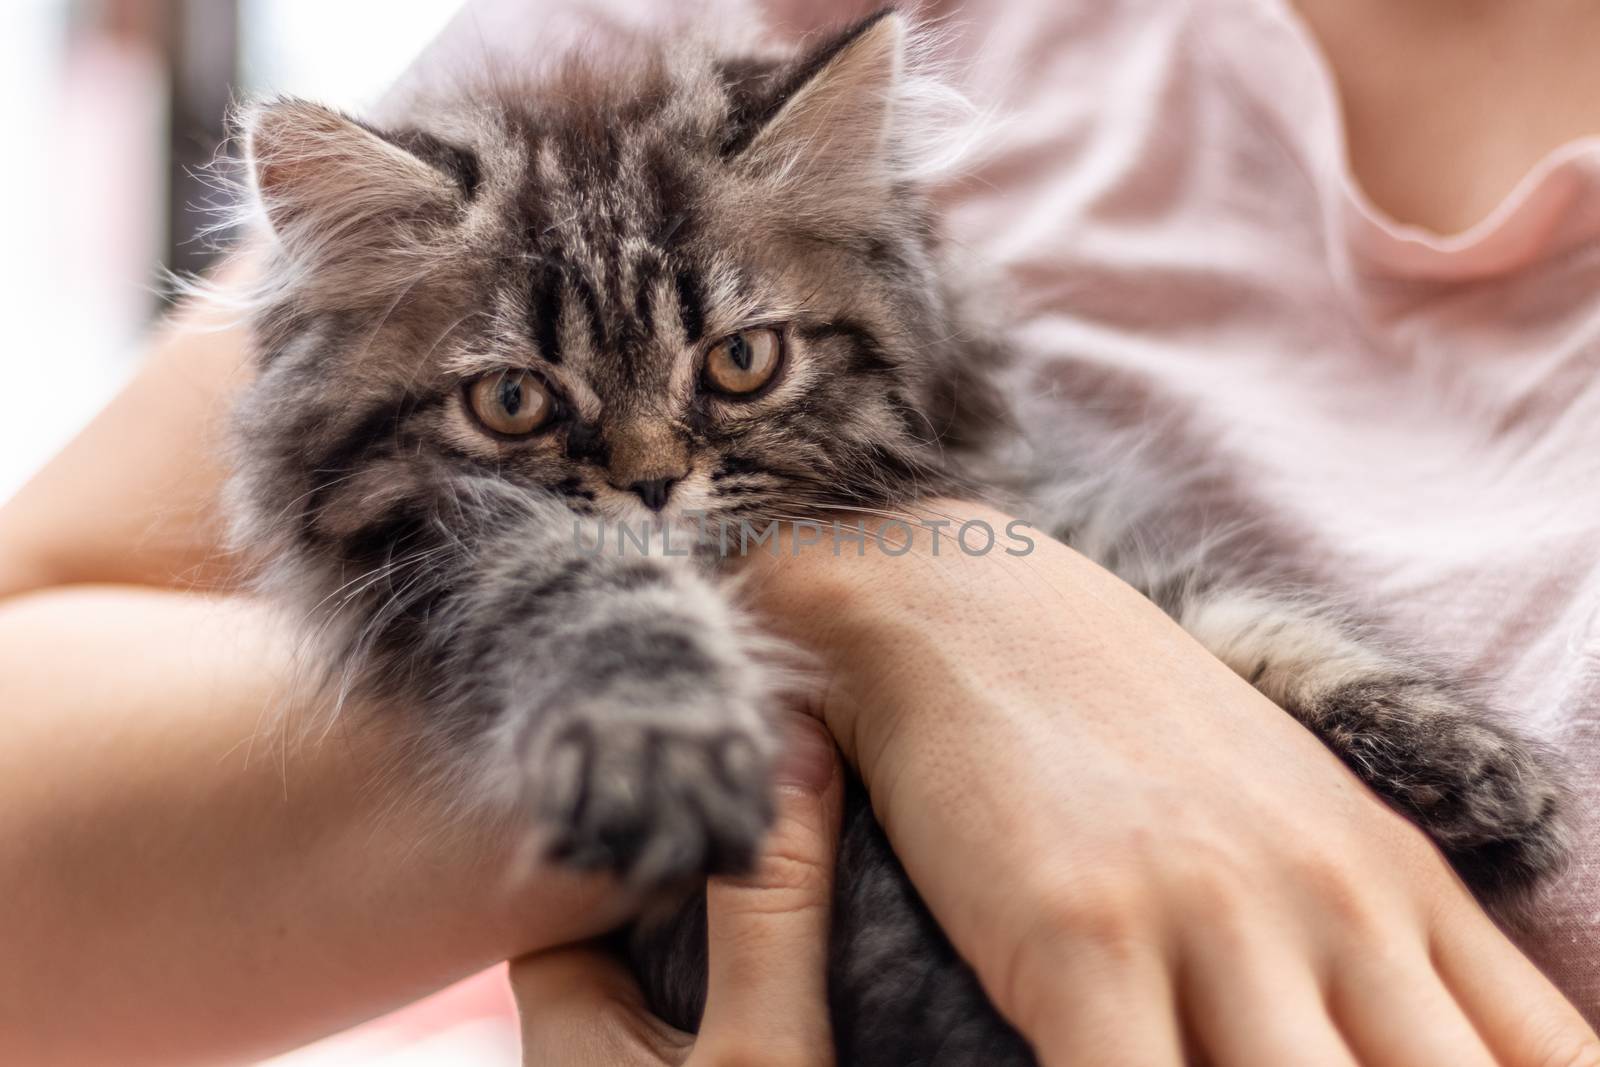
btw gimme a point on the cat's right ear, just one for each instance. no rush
(325, 182)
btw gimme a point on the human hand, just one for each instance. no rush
(1145, 861)
(768, 934)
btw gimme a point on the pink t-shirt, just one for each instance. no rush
(1168, 199)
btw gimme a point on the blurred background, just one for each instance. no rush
(110, 108)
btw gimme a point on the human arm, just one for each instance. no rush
(188, 878)
(188, 881)
(1135, 725)
(1134, 849)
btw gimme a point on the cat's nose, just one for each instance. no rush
(654, 491)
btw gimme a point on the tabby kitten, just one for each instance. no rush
(687, 282)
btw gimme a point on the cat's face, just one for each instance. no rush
(705, 289)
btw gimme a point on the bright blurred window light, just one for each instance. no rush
(342, 53)
(119, 103)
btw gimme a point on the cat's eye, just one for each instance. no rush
(742, 363)
(514, 403)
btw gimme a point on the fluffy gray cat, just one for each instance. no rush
(677, 281)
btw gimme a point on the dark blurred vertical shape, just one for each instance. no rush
(202, 49)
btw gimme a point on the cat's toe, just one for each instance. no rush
(1491, 800)
(1502, 868)
(1500, 818)
(657, 804)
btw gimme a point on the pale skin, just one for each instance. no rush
(1042, 745)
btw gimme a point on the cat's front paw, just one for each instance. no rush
(658, 799)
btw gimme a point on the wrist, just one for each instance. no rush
(902, 620)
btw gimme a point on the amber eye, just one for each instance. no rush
(744, 362)
(511, 402)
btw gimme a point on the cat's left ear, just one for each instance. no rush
(833, 119)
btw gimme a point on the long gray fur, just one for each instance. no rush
(602, 225)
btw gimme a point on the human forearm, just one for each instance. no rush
(937, 666)
(135, 497)
(1137, 852)
(186, 880)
